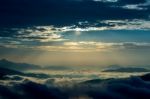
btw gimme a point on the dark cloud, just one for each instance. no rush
(65, 12)
(131, 1)
(30, 90)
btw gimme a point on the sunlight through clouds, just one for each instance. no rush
(91, 27)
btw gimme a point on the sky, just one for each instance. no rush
(75, 32)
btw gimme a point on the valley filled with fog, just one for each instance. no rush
(110, 83)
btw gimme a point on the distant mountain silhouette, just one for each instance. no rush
(25, 66)
(4, 71)
(113, 66)
(17, 66)
(12, 68)
(127, 69)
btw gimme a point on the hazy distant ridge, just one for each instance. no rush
(17, 66)
(127, 69)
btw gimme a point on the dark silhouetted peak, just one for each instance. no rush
(17, 66)
(4, 60)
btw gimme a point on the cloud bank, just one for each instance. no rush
(133, 88)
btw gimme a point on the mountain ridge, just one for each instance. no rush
(4, 63)
(127, 69)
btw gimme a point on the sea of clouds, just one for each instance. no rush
(20, 87)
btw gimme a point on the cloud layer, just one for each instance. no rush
(132, 87)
